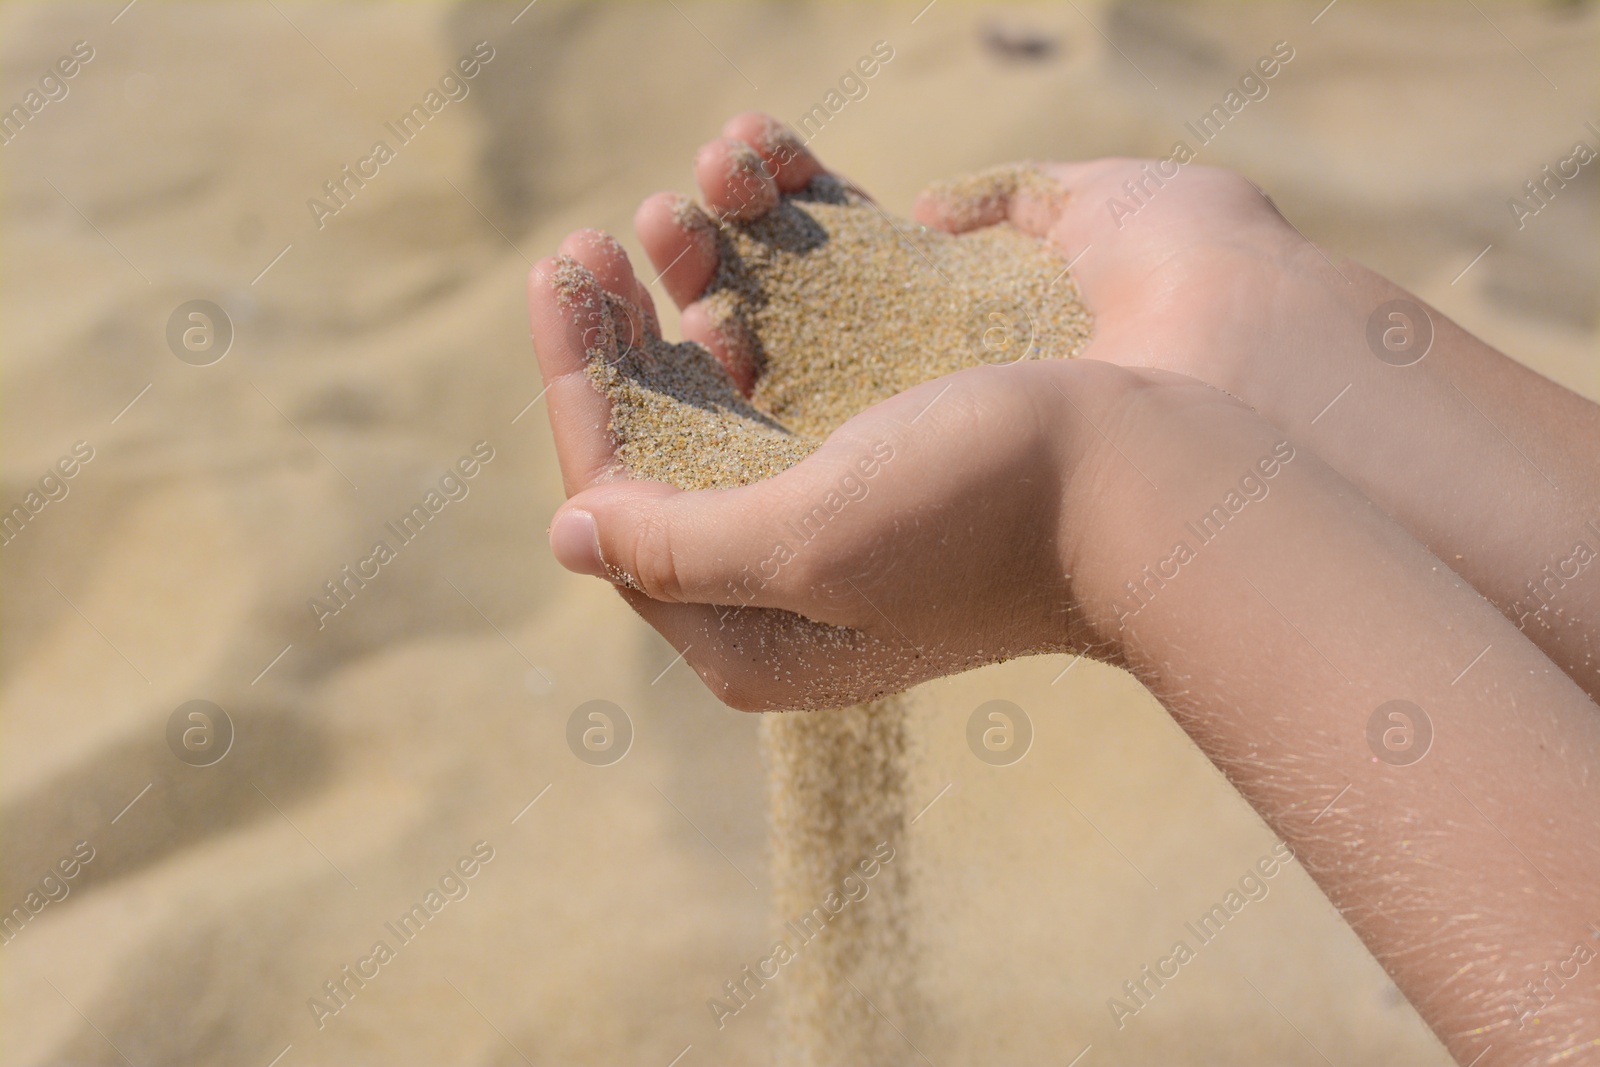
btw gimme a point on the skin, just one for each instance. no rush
(1439, 444)
(1488, 464)
(1220, 335)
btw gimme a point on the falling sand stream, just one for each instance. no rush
(839, 306)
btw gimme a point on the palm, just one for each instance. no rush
(1199, 278)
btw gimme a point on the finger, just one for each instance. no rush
(1022, 194)
(712, 324)
(711, 546)
(1102, 198)
(1091, 189)
(568, 315)
(678, 236)
(608, 261)
(788, 160)
(734, 180)
(756, 545)
(681, 242)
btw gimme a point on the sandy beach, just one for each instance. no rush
(417, 725)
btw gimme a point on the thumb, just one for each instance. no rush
(1019, 193)
(707, 546)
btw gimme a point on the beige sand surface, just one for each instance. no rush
(428, 713)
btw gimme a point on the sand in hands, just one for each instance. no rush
(840, 306)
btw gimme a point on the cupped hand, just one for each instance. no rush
(933, 532)
(924, 536)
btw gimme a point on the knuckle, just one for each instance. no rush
(654, 566)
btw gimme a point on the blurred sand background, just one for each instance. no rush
(427, 714)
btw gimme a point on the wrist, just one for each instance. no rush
(1315, 339)
(1152, 467)
(1097, 489)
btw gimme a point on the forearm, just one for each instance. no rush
(1485, 462)
(1275, 643)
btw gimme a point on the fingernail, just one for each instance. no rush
(575, 540)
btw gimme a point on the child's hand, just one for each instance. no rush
(932, 524)
(1201, 275)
